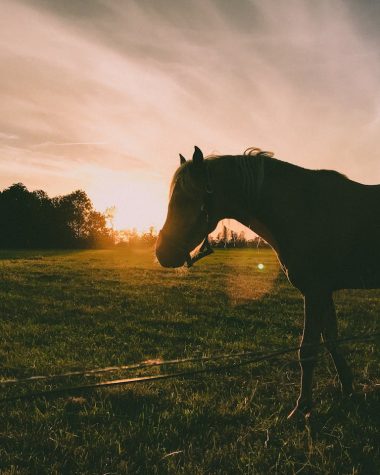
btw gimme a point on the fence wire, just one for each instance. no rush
(254, 357)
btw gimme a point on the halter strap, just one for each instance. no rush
(205, 250)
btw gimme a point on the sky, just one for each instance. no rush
(102, 95)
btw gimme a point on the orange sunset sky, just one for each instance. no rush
(102, 95)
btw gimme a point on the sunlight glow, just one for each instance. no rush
(243, 285)
(140, 201)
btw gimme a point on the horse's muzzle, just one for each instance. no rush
(170, 256)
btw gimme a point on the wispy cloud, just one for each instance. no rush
(5, 136)
(68, 144)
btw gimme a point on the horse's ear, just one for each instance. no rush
(182, 159)
(197, 156)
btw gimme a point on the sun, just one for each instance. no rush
(140, 201)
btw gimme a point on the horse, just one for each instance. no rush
(324, 228)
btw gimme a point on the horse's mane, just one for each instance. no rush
(251, 152)
(255, 151)
(182, 175)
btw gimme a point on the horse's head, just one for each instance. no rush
(188, 221)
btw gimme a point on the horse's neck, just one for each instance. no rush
(259, 194)
(254, 172)
(250, 170)
(238, 182)
(286, 196)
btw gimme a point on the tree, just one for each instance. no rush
(33, 220)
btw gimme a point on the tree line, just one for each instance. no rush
(228, 238)
(30, 219)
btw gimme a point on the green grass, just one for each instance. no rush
(62, 311)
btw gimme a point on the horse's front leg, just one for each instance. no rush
(316, 305)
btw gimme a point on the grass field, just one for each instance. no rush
(62, 311)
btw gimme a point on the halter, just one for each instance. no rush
(205, 249)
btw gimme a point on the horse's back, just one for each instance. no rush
(351, 207)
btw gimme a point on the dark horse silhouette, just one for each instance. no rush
(324, 228)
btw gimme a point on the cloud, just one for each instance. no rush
(5, 136)
(68, 144)
(125, 86)
(61, 87)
